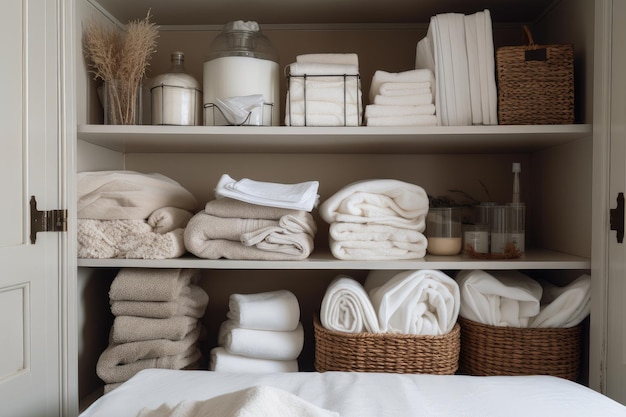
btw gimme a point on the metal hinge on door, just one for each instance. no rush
(45, 221)
(616, 218)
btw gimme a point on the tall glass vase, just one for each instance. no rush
(122, 103)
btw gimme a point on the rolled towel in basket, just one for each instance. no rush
(192, 304)
(272, 310)
(499, 298)
(145, 284)
(263, 344)
(422, 302)
(565, 306)
(346, 307)
(223, 361)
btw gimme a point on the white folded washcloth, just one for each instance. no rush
(424, 75)
(314, 68)
(361, 250)
(346, 307)
(167, 219)
(273, 310)
(300, 196)
(262, 344)
(408, 120)
(330, 58)
(258, 401)
(379, 110)
(564, 306)
(148, 284)
(223, 361)
(381, 201)
(128, 195)
(192, 304)
(499, 298)
(404, 88)
(412, 100)
(422, 302)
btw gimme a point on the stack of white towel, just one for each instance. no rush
(402, 99)
(156, 323)
(127, 214)
(422, 302)
(511, 298)
(377, 219)
(459, 50)
(263, 333)
(324, 90)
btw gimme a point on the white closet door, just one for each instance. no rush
(30, 332)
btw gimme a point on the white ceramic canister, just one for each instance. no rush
(242, 62)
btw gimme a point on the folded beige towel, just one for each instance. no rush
(231, 208)
(145, 284)
(166, 219)
(192, 304)
(134, 329)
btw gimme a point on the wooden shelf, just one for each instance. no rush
(350, 140)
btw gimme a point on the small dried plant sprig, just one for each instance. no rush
(121, 60)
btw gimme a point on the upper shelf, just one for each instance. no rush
(354, 140)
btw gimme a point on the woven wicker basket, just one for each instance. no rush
(493, 350)
(535, 83)
(385, 352)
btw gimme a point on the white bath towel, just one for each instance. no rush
(231, 208)
(380, 201)
(499, 298)
(299, 196)
(192, 304)
(133, 329)
(404, 88)
(257, 401)
(322, 120)
(126, 195)
(348, 58)
(377, 110)
(262, 344)
(361, 250)
(422, 302)
(315, 68)
(321, 108)
(341, 231)
(146, 284)
(346, 307)
(167, 219)
(223, 361)
(424, 75)
(272, 310)
(412, 100)
(564, 306)
(335, 90)
(408, 120)
(130, 239)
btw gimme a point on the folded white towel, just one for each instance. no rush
(378, 110)
(314, 68)
(273, 310)
(167, 219)
(361, 250)
(423, 302)
(564, 306)
(381, 201)
(192, 304)
(413, 100)
(147, 284)
(128, 195)
(262, 344)
(408, 120)
(319, 89)
(330, 58)
(499, 298)
(300, 196)
(133, 329)
(341, 231)
(404, 88)
(415, 76)
(330, 108)
(346, 307)
(223, 361)
(322, 120)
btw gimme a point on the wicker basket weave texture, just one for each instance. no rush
(493, 350)
(385, 352)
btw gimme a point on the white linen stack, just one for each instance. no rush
(262, 333)
(420, 302)
(377, 219)
(156, 323)
(127, 214)
(324, 90)
(402, 99)
(459, 50)
(511, 298)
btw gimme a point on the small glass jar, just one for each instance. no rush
(443, 231)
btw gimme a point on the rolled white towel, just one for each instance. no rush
(273, 310)
(499, 298)
(422, 302)
(346, 307)
(565, 306)
(223, 361)
(330, 58)
(262, 344)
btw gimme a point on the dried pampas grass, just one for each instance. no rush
(120, 59)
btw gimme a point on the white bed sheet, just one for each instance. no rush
(354, 394)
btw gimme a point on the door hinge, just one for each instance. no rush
(45, 221)
(616, 218)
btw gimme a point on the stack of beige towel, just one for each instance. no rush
(234, 229)
(263, 333)
(402, 99)
(381, 219)
(128, 214)
(156, 323)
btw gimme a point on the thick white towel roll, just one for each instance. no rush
(262, 344)
(273, 310)
(346, 307)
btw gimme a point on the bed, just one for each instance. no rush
(356, 394)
